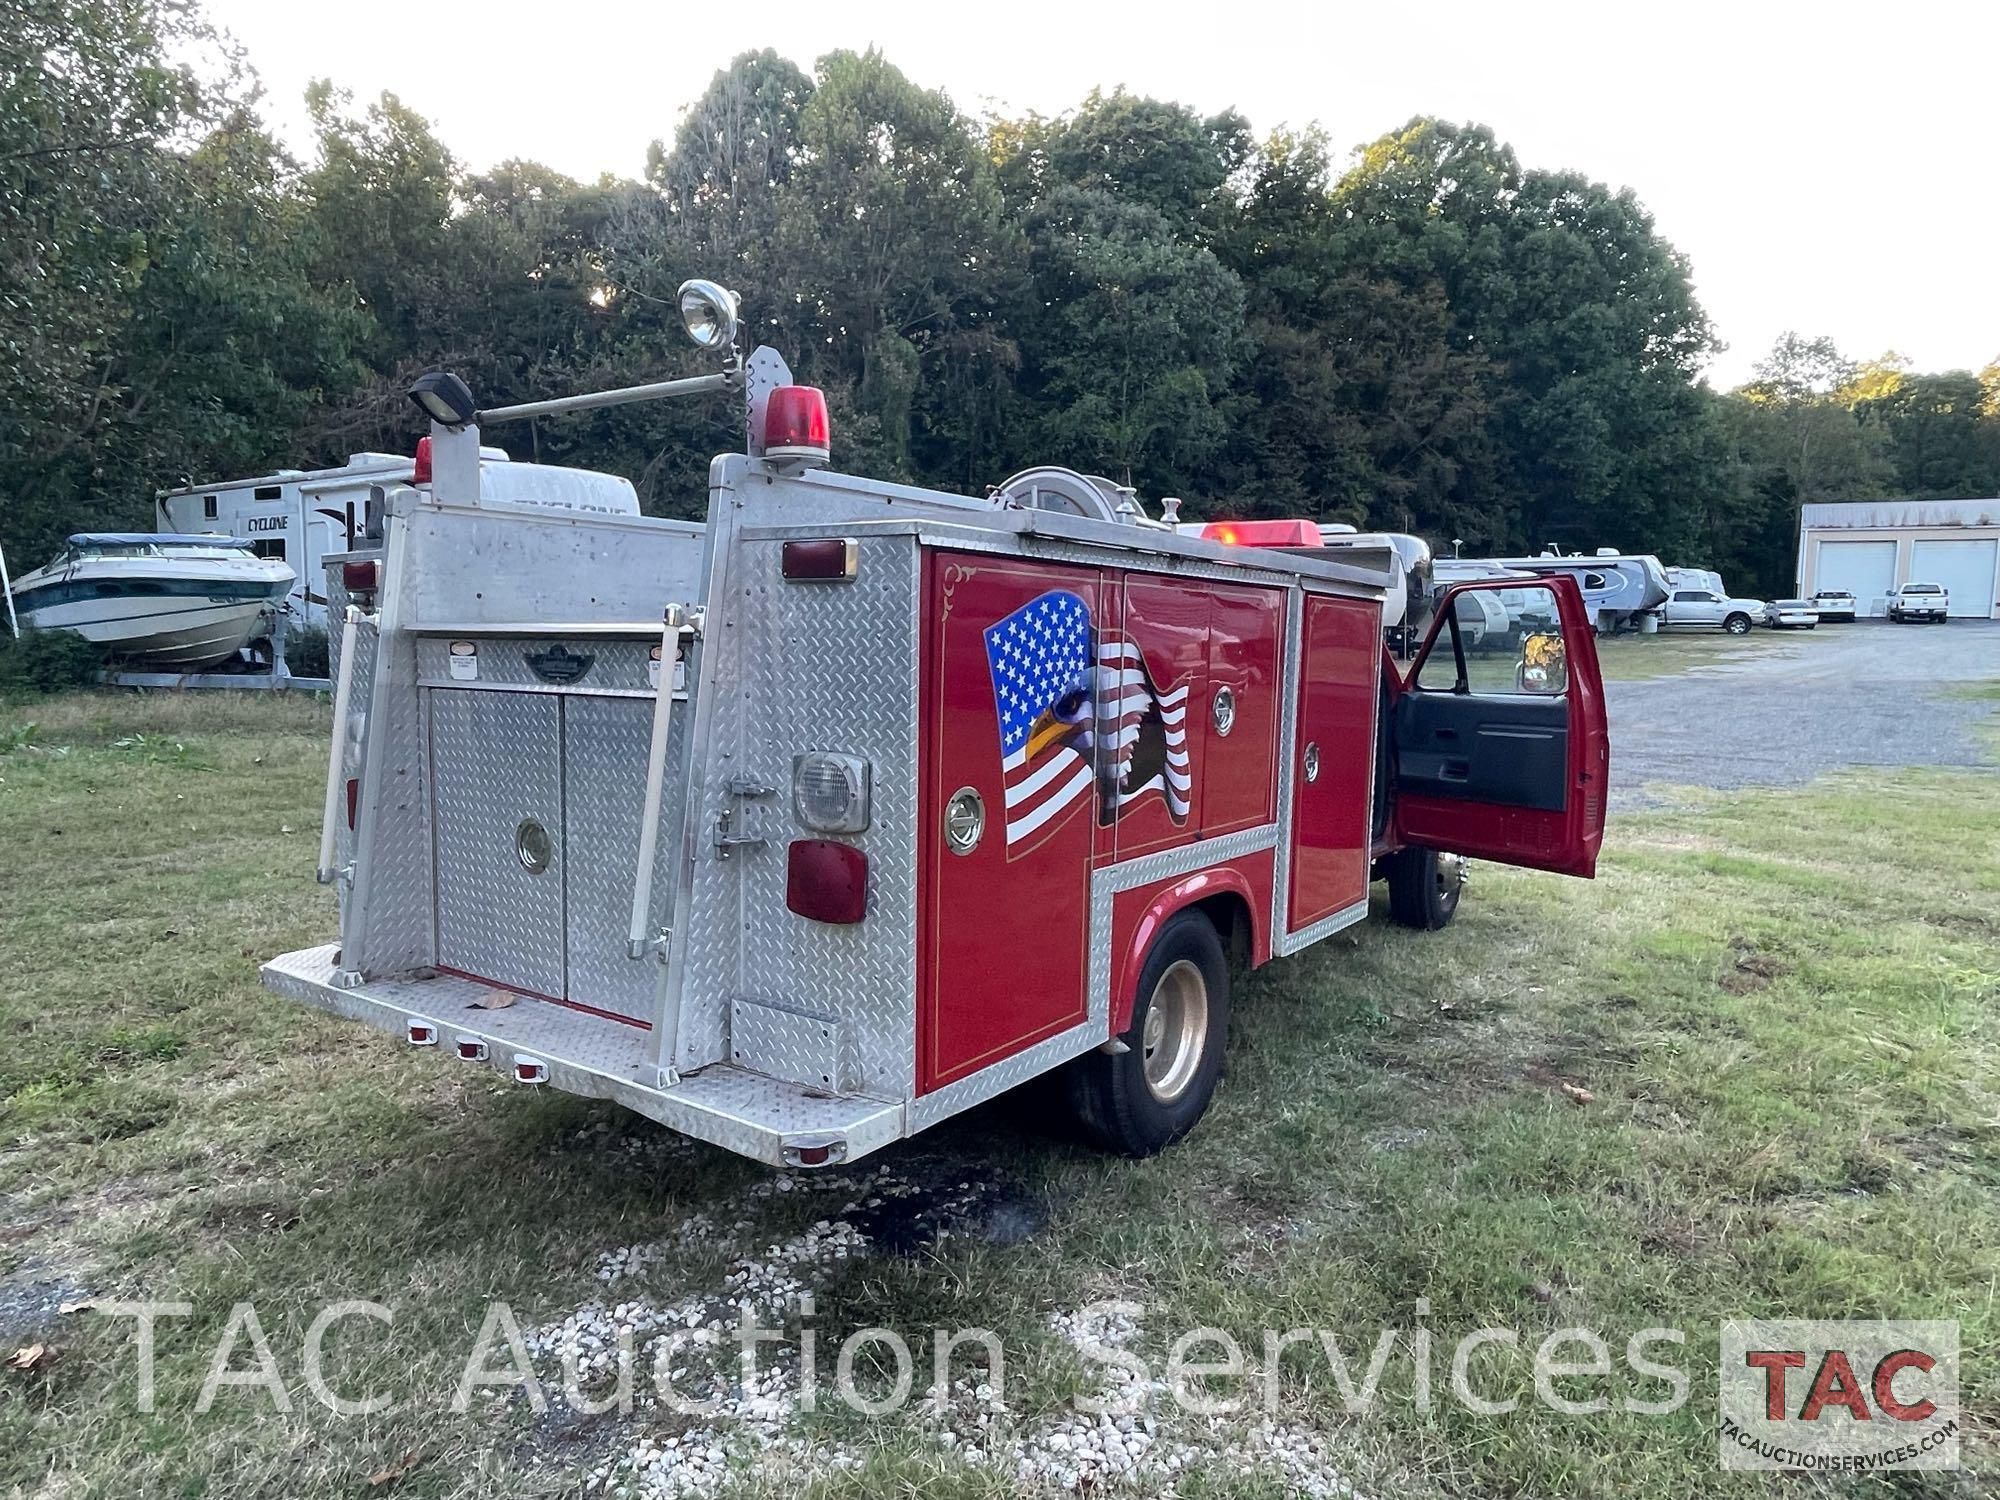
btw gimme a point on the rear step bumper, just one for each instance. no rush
(536, 1042)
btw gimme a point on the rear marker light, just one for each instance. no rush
(471, 1049)
(795, 426)
(420, 1033)
(826, 881)
(361, 577)
(530, 1070)
(353, 800)
(832, 559)
(421, 469)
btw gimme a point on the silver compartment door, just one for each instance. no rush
(495, 767)
(606, 742)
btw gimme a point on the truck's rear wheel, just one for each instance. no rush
(1145, 1098)
(1424, 887)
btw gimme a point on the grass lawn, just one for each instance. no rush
(1635, 658)
(1752, 1070)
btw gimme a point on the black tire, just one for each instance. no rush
(1424, 887)
(1111, 1094)
(1738, 624)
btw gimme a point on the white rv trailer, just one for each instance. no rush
(302, 517)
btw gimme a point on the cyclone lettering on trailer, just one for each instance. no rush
(1056, 697)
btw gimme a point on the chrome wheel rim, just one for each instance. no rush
(1176, 1030)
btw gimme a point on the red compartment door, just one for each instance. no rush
(1239, 770)
(1333, 757)
(1007, 720)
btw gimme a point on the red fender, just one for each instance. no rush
(1218, 880)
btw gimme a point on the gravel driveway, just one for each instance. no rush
(1867, 694)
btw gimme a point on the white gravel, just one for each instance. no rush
(1139, 1446)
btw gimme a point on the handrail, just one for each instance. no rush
(639, 941)
(343, 689)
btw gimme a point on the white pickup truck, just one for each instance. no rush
(1698, 607)
(1920, 601)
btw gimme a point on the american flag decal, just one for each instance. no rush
(1145, 732)
(1040, 660)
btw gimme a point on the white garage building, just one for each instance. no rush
(1868, 547)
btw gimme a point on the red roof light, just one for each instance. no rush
(796, 426)
(1262, 533)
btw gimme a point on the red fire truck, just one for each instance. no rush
(807, 827)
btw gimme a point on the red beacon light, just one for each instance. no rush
(796, 429)
(421, 466)
(1291, 533)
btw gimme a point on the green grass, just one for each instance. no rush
(1637, 658)
(1782, 1003)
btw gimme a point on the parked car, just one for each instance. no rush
(1697, 607)
(1791, 614)
(1920, 601)
(1834, 604)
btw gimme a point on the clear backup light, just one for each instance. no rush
(831, 791)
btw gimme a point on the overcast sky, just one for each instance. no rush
(1827, 168)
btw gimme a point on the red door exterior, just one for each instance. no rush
(1238, 771)
(1563, 837)
(1007, 719)
(1333, 757)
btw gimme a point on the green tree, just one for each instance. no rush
(1588, 315)
(1942, 445)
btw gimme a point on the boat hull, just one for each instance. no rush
(176, 616)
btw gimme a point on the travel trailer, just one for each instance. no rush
(1621, 591)
(302, 517)
(910, 796)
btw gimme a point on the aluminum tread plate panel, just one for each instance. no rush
(606, 742)
(494, 763)
(789, 1044)
(598, 1058)
(814, 666)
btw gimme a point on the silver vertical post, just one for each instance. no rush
(639, 939)
(336, 761)
(7, 588)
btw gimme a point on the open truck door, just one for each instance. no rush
(1500, 745)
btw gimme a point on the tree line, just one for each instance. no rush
(1432, 337)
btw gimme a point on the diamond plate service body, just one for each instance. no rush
(782, 666)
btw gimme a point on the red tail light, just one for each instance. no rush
(353, 800)
(361, 577)
(826, 881)
(423, 462)
(826, 557)
(796, 426)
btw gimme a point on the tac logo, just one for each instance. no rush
(1839, 1396)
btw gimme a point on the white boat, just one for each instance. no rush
(175, 602)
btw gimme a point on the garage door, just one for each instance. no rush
(1867, 570)
(1964, 568)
